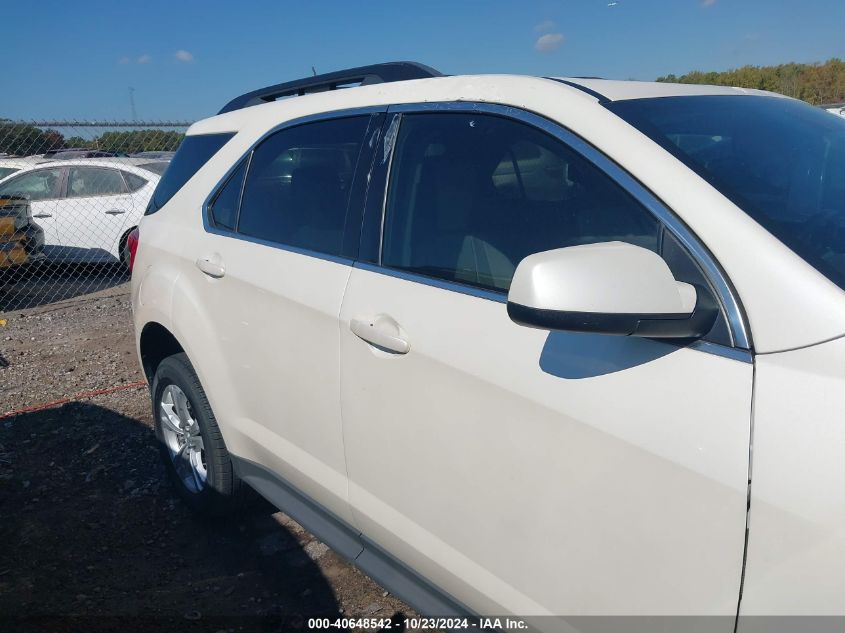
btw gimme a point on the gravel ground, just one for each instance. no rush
(92, 536)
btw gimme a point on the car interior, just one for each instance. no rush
(470, 197)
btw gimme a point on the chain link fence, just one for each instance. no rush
(70, 194)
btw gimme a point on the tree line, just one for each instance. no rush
(23, 139)
(819, 83)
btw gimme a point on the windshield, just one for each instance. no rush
(779, 160)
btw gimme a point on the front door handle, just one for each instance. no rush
(381, 332)
(43, 215)
(212, 265)
(115, 212)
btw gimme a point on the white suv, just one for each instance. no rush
(510, 343)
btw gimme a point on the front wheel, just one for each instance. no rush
(191, 445)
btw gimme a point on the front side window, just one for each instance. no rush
(7, 171)
(779, 160)
(83, 182)
(471, 195)
(39, 184)
(297, 190)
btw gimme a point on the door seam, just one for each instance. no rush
(748, 493)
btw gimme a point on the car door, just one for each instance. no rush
(271, 272)
(93, 212)
(42, 187)
(524, 471)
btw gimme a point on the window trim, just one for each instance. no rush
(207, 223)
(724, 291)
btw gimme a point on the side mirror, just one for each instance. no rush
(608, 288)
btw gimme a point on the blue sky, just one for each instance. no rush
(186, 58)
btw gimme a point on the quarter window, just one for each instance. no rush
(133, 182)
(224, 209)
(297, 189)
(90, 181)
(471, 195)
(40, 184)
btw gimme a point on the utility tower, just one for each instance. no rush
(132, 103)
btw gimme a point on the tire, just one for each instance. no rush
(201, 450)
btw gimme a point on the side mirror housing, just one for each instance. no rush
(608, 288)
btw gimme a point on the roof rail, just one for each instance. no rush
(364, 76)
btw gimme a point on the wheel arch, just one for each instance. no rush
(156, 343)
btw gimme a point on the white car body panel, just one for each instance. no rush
(45, 213)
(797, 519)
(90, 228)
(616, 90)
(275, 323)
(474, 425)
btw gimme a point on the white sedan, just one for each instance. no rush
(86, 207)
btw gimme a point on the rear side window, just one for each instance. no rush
(471, 195)
(85, 182)
(5, 171)
(193, 153)
(297, 189)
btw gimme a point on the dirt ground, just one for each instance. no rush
(91, 535)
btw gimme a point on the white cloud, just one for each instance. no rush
(707, 3)
(145, 59)
(545, 25)
(184, 56)
(123, 60)
(548, 42)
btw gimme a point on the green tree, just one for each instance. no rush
(139, 141)
(817, 83)
(23, 139)
(76, 141)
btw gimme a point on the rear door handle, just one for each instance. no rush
(381, 332)
(115, 212)
(212, 266)
(43, 215)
